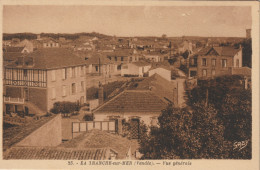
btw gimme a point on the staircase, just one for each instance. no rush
(33, 109)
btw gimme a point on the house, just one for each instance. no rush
(16, 50)
(185, 46)
(215, 61)
(50, 43)
(10, 54)
(28, 45)
(154, 56)
(120, 57)
(166, 71)
(7, 43)
(142, 101)
(133, 106)
(135, 68)
(100, 65)
(42, 139)
(163, 71)
(33, 83)
(119, 147)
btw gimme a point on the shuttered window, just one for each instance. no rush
(73, 88)
(64, 73)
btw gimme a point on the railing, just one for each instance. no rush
(13, 100)
(80, 127)
(25, 83)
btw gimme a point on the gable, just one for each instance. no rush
(212, 52)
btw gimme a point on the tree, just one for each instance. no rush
(65, 107)
(185, 135)
(234, 108)
(172, 60)
(164, 36)
(186, 54)
(184, 68)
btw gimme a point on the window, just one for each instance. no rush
(73, 72)
(213, 72)
(64, 91)
(53, 91)
(122, 58)
(224, 63)
(53, 75)
(25, 73)
(237, 62)
(64, 74)
(73, 88)
(82, 86)
(213, 62)
(204, 72)
(96, 68)
(15, 74)
(204, 62)
(115, 58)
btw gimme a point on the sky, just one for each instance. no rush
(210, 21)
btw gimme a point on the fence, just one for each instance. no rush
(80, 127)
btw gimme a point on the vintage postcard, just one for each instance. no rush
(127, 84)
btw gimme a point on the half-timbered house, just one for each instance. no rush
(34, 82)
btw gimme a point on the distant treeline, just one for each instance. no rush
(31, 36)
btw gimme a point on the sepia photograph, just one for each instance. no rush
(112, 82)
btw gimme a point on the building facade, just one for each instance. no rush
(35, 82)
(215, 61)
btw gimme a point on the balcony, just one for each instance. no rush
(13, 100)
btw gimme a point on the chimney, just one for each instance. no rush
(100, 94)
(175, 95)
(245, 83)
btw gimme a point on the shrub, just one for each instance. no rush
(88, 118)
(65, 107)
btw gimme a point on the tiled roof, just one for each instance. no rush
(98, 59)
(158, 85)
(164, 65)
(53, 58)
(130, 101)
(15, 134)
(101, 139)
(246, 71)
(11, 56)
(222, 51)
(141, 63)
(121, 53)
(55, 153)
(13, 49)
